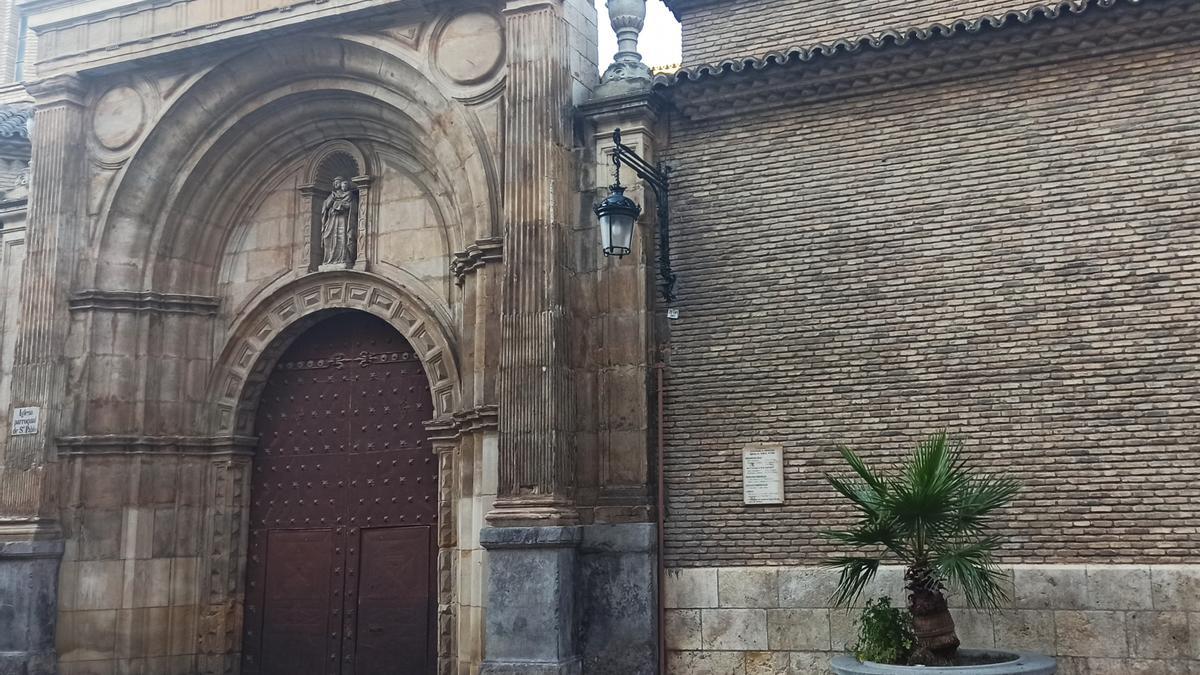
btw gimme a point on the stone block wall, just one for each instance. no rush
(131, 580)
(725, 30)
(1094, 619)
(477, 472)
(12, 261)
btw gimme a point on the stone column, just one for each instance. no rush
(530, 619)
(537, 462)
(618, 571)
(30, 539)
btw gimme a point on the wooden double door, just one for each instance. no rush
(341, 567)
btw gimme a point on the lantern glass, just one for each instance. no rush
(617, 215)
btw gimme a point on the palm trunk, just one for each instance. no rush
(937, 642)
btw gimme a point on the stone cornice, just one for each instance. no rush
(634, 104)
(110, 444)
(680, 7)
(448, 429)
(143, 301)
(57, 90)
(786, 79)
(482, 252)
(91, 34)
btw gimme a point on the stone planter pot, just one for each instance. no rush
(1020, 663)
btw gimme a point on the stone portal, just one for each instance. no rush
(342, 552)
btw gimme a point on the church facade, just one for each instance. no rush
(313, 362)
(259, 350)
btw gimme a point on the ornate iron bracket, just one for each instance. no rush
(656, 177)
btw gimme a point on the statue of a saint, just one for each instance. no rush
(338, 224)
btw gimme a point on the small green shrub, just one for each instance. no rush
(885, 634)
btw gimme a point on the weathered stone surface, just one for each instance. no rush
(1101, 666)
(975, 628)
(683, 629)
(706, 663)
(618, 596)
(810, 663)
(532, 613)
(798, 629)
(1090, 633)
(768, 663)
(688, 588)
(1025, 629)
(747, 587)
(1118, 587)
(843, 632)
(29, 569)
(806, 586)
(1158, 635)
(100, 584)
(734, 629)
(1175, 587)
(1051, 587)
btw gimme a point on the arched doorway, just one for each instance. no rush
(341, 570)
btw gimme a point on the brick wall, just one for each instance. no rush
(717, 32)
(1012, 257)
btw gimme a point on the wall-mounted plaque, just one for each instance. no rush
(762, 473)
(25, 421)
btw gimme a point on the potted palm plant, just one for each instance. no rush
(932, 514)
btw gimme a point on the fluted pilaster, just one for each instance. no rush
(54, 219)
(537, 461)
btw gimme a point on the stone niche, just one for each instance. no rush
(337, 196)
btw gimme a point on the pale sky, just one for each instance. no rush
(660, 43)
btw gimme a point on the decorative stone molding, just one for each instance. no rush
(450, 429)
(96, 33)
(58, 90)
(171, 445)
(228, 503)
(260, 338)
(482, 252)
(143, 301)
(938, 53)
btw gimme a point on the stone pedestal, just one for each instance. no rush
(531, 615)
(28, 604)
(618, 597)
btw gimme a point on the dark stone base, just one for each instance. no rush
(571, 600)
(531, 668)
(29, 588)
(618, 599)
(25, 663)
(531, 616)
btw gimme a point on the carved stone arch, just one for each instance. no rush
(260, 338)
(168, 214)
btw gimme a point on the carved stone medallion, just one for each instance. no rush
(470, 47)
(118, 117)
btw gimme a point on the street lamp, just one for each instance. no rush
(618, 213)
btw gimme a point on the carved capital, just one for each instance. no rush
(58, 90)
(482, 252)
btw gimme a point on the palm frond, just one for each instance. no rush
(925, 498)
(930, 513)
(867, 532)
(969, 567)
(856, 574)
(863, 496)
(982, 496)
(877, 482)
